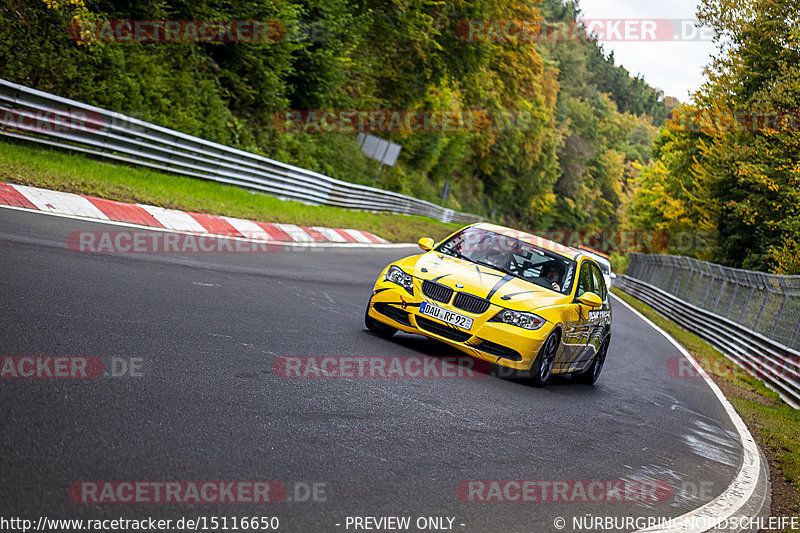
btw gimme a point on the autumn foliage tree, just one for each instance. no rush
(729, 163)
(568, 128)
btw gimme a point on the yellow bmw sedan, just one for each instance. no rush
(507, 297)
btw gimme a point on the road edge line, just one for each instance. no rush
(742, 489)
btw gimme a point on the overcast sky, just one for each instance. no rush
(674, 67)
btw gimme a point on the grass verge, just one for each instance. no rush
(775, 425)
(26, 164)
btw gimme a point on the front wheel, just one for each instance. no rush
(542, 367)
(377, 327)
(590, 375)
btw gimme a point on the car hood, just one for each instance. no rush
(485, 282)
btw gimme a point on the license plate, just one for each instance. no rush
(463, 322)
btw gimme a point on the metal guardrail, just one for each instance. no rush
(48, 119)
(765, 303)
(777, 365)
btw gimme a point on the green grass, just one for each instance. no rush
(62, 171)
(773, 423)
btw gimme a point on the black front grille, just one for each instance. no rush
(470, 303)
(393, 313)
(437, 292)
(499, 350)
(442, 329)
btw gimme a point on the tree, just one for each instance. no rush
(729, 163)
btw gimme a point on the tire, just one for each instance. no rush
(542, 367)
(590, 375)
(377, 327)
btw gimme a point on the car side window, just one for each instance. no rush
(599, 283)
(584, 280)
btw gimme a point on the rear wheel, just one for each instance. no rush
(542, 367)
(590, 375)
(377, 327)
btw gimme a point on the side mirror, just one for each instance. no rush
(426, 243)
(590, 299)
(613, 276)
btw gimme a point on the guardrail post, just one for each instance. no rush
(708, 285)
(696, 279)
(733, 298)
(656, 270)
(795, 331)
(647, 267)
(780, 311)
(746, 304)
(721, 290)
(678, 267)
(633, 264)
(639, 265)
(666, 264)
(767, 292)
(690, 262)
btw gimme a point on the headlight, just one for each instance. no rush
(396, 275)
(517, 318)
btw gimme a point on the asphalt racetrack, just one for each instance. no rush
(203, 332)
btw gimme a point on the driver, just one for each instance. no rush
(501, 254)
(553, 273)
(499, 259)
(489, 251)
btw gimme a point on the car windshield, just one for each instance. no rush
(512, 256)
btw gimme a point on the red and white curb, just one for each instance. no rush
(158, 218)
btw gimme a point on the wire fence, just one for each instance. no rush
(764, 303)
(778, 366)
(47, 119)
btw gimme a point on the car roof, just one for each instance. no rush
(566, 251)
(592, 251)
(600, 258)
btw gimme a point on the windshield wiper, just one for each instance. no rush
(455, 254)
(489, 265)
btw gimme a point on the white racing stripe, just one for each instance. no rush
(357, 235)
(60, 202)
(329, 234)
(295, 232)
(172, 219)
(249, 229)
(739, 492)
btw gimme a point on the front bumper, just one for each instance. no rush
(495, 342)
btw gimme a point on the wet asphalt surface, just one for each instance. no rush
(203, 333)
